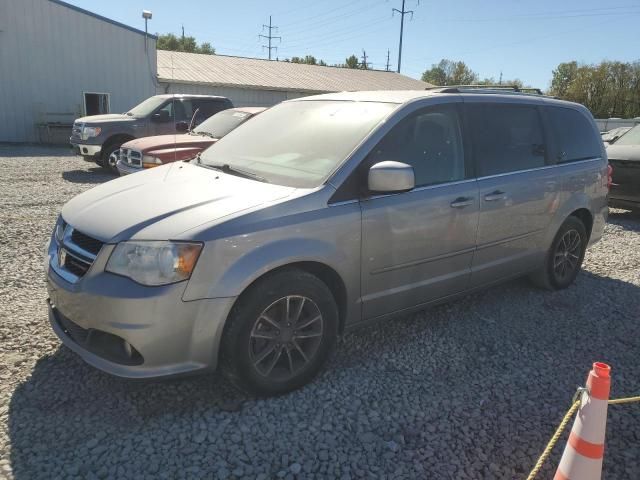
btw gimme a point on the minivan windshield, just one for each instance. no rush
(222, 123)
(632, 137)
(297, 144)
(145, 108)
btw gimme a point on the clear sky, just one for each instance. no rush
(524, 39)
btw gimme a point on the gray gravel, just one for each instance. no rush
(472, 389)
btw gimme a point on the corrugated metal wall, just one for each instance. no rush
(50, 54)
(241, 97)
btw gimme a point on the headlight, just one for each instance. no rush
(59, 230)
(88, 132)
(154, 263)
(149, 161)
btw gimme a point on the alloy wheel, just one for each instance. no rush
(285, 337)
(567, 255)
(113, 158)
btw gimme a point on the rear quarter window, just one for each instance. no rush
(574, 136)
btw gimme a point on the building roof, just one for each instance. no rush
(100, 17)
(254, 73)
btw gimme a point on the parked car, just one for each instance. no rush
(149, 152)
(319, 215)
(612, 135)
(99, 137)
(624, 158)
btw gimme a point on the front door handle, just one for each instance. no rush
(462, 202)
(495, 196)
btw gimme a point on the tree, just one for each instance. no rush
(169, 41)
(608, 89)
(308, 60)
(352, 62)
(449, 72)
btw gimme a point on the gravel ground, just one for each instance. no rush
(472, 389)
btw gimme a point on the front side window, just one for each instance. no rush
(506, 138)
(167, 110)
(430, 141)
(298, 144)
(147, 107)
(574, 135)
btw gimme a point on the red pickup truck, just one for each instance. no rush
(149, 152)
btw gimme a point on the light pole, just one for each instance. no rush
(147, 15)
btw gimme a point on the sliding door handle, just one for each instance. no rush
(495, 196)
(462, 202)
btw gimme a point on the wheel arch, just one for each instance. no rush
(118, 138)
(585, 216)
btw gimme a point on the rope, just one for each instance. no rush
(563, 424)
(554, 439)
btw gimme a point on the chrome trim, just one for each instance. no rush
(546, 167)
(72, 249)
(344, 202)
(510, 239)
(421, 189)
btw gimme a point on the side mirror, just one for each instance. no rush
(182, 127)
(389, 177)
(161, 116)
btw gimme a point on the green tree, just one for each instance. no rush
(308, 60)
(352, 62)
(169, 41)
(449, 72)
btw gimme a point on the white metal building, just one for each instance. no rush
(59, 62)
(262, 83)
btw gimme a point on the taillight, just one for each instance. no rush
(609, 176)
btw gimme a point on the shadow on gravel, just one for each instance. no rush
(91, 175)
(474, 386)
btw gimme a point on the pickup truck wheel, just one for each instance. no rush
(564, 258)
(110, 157)
(280, 333)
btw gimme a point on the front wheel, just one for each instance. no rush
(564, 258)
(109, 157)
(280, 333)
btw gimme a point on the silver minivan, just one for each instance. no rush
(321, 214)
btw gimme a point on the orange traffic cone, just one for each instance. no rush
(582, 457)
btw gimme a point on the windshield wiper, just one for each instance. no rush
(206, 134)
(226, 168)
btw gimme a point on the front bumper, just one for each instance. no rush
(124, 169)
(85, 150)
(167, 335)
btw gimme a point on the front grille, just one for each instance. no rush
(86, 242)
(131, 157)
(76, 131)
(76, 266)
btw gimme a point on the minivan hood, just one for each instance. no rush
(108, 117)
(623, 152)
(161, 142)
(163, 202)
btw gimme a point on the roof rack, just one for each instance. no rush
(487, 89)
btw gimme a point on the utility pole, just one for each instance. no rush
(402, 13)
(183, 34)
(269, 37)
(388, 64)
(365, 64)
(500, 83)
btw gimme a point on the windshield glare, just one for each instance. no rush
(222, 123)
(298, 144)
(632, 137)
(145, 108)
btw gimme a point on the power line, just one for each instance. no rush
(402, 13)
(269, 37)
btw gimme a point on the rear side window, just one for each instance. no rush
(506, 138)
(574, 135)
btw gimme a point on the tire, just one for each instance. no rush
(109, 157)
(260, 353)
(564, 258)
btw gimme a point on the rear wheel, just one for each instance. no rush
(280, 333)
(564, 258)
(109, 157)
